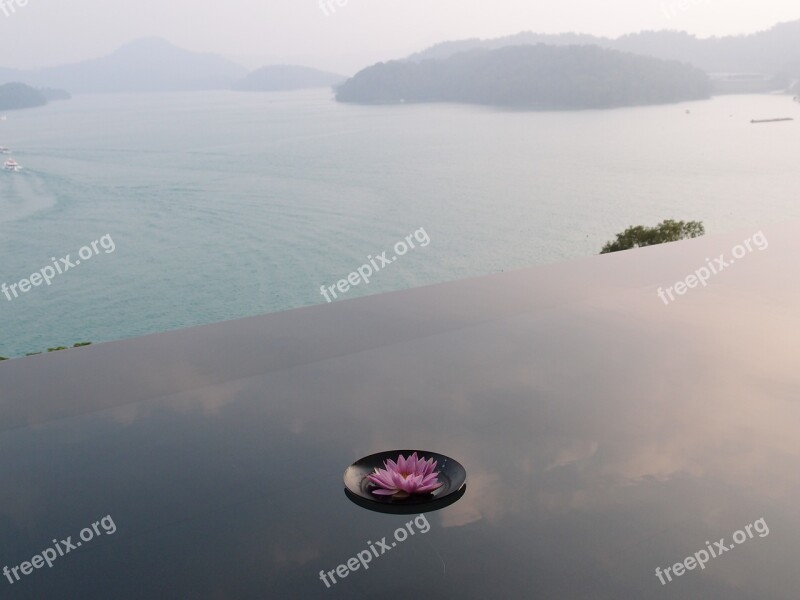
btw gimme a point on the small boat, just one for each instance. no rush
(11, 165)
(4, 150)
(772, 120)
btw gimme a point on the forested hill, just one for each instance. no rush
(775, 51)
(540, 77)
(19, 95)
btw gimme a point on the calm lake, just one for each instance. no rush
(223, 204)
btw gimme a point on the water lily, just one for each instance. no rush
(405, 477)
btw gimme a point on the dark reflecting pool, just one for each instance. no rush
(604, 433)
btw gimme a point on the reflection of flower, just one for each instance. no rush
(405, 477)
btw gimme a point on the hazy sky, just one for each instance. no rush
(361, 32)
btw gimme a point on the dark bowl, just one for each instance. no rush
(358, 488)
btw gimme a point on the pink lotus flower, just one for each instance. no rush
(405, 477)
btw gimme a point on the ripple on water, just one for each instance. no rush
(23, 194)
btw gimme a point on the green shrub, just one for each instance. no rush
(664, 232)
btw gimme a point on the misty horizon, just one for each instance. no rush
(251, 63)
(342, 39)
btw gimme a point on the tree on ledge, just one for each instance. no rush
(666, 231)
(54, 349)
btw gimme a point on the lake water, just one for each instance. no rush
(223, 205)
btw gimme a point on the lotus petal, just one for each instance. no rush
(412, 475)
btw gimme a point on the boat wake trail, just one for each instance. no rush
(24, 193)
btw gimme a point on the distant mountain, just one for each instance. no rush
(286, 77)
(539, 77)
(772, 52)
(18, 95)
(448, 49)
(145, 65)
